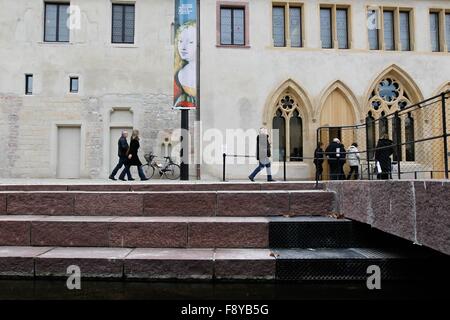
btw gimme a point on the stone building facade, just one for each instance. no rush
(304, 63)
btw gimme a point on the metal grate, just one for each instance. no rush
(350, 269)
(334, 234)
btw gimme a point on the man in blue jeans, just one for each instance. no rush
(262, 154)
(122, 153)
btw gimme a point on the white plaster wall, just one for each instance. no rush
(137, 76)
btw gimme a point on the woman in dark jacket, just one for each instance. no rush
(383, 153)
(133, 158)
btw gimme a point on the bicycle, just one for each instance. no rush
(169, 169)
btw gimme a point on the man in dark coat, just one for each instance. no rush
(336, 158)
(122, 153)
(262, 155)
(383, 153)
(318, 161)
(133, 158)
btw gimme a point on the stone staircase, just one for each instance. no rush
(278, 231)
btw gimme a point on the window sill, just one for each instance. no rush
(124, 45)
(233, 46)
(55, 43)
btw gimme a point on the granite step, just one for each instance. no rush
(175, 186)
(168, 203)
(219, 264)
(176, 231)
(164, 232)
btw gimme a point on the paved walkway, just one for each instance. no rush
(137, 181)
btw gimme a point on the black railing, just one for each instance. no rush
(419, 135)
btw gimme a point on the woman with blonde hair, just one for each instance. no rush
(133, 158)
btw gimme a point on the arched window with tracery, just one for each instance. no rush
(288, 121)
(388, 96)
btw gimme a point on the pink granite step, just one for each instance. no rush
(171, 203)
(142, 263)
(162, 232)
(175, 186)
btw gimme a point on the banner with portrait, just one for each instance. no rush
(185, 72)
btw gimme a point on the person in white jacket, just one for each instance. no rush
(353, 158)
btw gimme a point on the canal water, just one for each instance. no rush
(124, 290)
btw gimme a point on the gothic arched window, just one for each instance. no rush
(389, 96)
(288, 121)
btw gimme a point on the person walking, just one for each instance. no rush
(133, 158)
(334, 152)
(353, 158)
(383, 153)
(122, 153)
(318, 161)
(263, 154)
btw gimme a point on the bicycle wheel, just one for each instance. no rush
(172, 171)
(149, 171)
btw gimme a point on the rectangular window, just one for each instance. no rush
(232, 26)
(278, 27)
(374, 42)
(447, 30)
(295, 26)
(389, 38)
(325, 28)
(434, 30)
(74, 84)
(342, 28)
(56, 22)
(405, 31)
(123, 16)
(29, 84)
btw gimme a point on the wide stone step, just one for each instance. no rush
(191, 232)
(171, 203)
(163, 232)
(176, 186)
(207, 264)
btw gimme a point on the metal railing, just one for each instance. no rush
(420, 135)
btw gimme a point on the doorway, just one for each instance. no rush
(69, 152)
(337, 112)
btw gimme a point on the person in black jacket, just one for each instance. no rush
(133, 158)
(336, 159)
(318, 161)
(262, 155)
(383, 153)
(122, 153)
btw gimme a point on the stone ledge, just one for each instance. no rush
(414, 210)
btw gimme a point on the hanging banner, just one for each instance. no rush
(185, 80)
